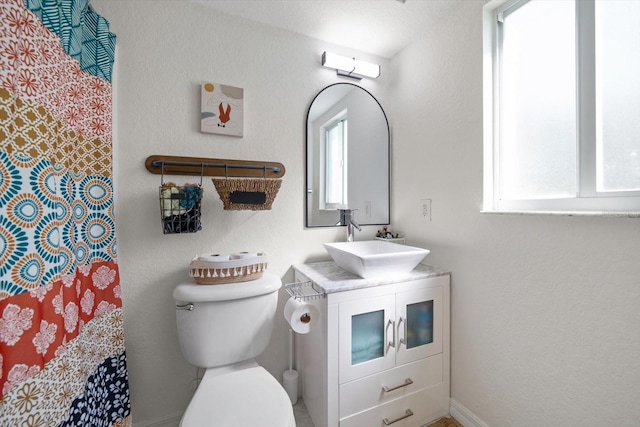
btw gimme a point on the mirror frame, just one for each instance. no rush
(306, 161)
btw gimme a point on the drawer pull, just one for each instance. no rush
(407, 382)
(407, 414)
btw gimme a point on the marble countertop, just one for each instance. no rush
(332, 278)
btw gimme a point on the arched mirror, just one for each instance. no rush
(347, 152)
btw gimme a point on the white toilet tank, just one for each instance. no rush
(227, 323)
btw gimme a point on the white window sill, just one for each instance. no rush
(610, 214)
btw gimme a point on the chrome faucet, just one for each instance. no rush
(346, 218)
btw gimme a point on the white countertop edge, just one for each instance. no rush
(332, 278)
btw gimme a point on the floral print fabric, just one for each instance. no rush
(62, 356)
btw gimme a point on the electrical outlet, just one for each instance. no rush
(425, 208)
(367, 208)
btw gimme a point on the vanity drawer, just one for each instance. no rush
(413, 410)
(364, 393)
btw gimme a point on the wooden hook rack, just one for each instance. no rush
(200, 166)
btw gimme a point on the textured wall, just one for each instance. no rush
(164, 51)
(545, 319)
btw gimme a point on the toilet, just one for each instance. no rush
(222, 328)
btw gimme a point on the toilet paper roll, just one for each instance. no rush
(243, 255)
(301, 316)
(213, 258)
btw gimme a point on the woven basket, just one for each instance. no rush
(254, 194)
(232, 271)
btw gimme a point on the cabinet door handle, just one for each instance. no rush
(387, 389)
(403, 340)
(392, 344)
(407, 414)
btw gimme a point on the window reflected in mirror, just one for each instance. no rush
(335, 164)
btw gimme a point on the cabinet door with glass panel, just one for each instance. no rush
(377, 334)
(366, 337)
(419, 328)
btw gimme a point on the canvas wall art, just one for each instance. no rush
(222, 109)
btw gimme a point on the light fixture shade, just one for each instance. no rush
(350, 67)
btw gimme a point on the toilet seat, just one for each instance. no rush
(246, 398)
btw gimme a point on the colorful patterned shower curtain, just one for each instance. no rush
(62, 357)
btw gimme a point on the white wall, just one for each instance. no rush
(545, 318)
(165, 50)
(545, 309)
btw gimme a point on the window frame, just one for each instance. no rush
(338, 122)
(587, 200)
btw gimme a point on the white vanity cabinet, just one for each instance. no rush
(379, 354)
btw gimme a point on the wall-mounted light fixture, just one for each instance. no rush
(350, 67)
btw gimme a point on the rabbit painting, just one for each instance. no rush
(224, 114)
(222, 109)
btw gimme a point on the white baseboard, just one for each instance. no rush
(168, 421)
(464, 416)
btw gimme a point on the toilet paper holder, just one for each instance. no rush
(304, 291)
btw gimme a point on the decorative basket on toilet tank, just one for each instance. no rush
(216, 269)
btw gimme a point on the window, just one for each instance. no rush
(562, 106)
(335, 174)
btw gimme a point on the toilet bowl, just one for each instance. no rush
(247, 397)
(222, 328)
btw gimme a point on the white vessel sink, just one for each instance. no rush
(373, 259)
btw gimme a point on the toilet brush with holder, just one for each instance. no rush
(290, 377)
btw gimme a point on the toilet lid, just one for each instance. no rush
(246, 398)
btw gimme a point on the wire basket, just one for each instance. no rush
(180, 207)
